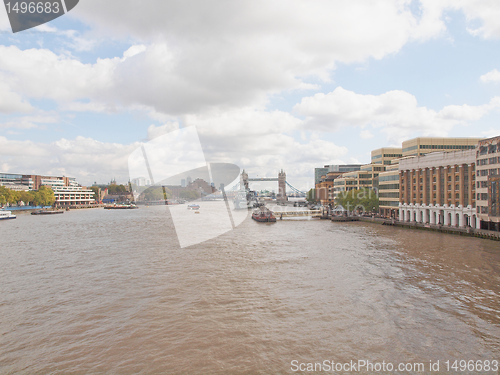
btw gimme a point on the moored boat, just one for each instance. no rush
(6, 215)
(47, 212)
(120, 207)
(264, 215)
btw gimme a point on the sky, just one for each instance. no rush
(268, 85)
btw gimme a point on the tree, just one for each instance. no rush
(155, 193)
(359, 200)
(45, 196)
(96, 191)
(116, 189)
(189, 194)
(311, 195)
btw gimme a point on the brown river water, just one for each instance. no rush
(112, 292)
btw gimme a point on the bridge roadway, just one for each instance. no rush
(263, 179)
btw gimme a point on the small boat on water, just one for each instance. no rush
(193, 207)
(6, 215)
(264, 215)
(47, 212)
(121, 207)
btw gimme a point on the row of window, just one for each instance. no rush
(486, 161)
(482, 196)
(387, 156)
(421, 180)
(447, 147)
(394, 177)
(488, 172)
(489, 149)
(439, 147)
(388, 195)
(389, 203)
(389, 187)
(457, 195)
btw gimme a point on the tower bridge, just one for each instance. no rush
(281, 179)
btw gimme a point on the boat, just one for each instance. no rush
(264, 215)
(6, 215)
(245, 200)
(120, 207)
(47, 212)
(193, 206)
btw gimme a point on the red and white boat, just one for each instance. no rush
(264, 215)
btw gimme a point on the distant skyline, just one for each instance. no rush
(269, 85)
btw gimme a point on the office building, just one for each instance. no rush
(424, 145)
(439, 188)
(488, 183)
(385, 155)
(66, 190)
(388, 190)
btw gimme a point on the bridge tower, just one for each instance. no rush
(244, 180)
(282, 187)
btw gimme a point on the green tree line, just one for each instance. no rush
(361, 200)
(43, 197)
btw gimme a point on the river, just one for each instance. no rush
(111, 291)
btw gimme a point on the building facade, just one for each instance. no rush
(66, 190)
(385, 155)
(424, 145)
(388, 190)
(487, 183)
(439, 188)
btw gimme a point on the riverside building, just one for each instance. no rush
(388, 193)
(66, 190)
(424, 145)
(385, 155)
(366, 177)
(488, 183)
(439, 188)
(324, 180)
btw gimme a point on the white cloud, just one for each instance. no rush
(492, 76)
(194, 56)
(156, 131)
(481, 15)
(84, 158)
(366, 134)
(12, 102)
(36, 120)
(396, 112)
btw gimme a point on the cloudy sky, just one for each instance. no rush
(268, 84)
